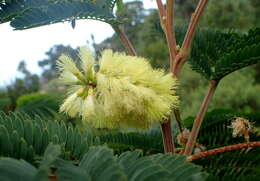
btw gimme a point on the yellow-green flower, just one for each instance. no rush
(125, 92)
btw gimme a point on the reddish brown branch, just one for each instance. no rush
(52, 177)
(223, 149)
(193, 23)
(186, 45)
(177, 64)
(128, 45)
(169, 31)
(162, 13)
(178, 119)
(167, 137)
(169, 12)
(198, 120)
(166, 20)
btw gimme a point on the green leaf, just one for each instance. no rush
(38, 137)
(50, 155)
(28, 134)
(6, 146)
(44, 105)
(72, 173)
(160, 167)
(13, 170)
(27, 137)
(148, 141)
(24, 148)
(16, 145)
(101, 165)
(216, 54)
(214, 133)
(26, 14)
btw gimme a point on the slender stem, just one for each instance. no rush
(198, 120)
(169, 31)
(128, 45)
(193, 23)
(177, 60)
(166, 19)
(169, 13)
(178, 118)
(167, 137)
(52, 177)
(222, 150)
(177, 64)
(162, 13)
(189, 36)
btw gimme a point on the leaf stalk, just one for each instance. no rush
(126, 42)
(222, 150)
(199, 118)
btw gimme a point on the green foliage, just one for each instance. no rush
(28, 84)
(25, 137)
(149, 141)
(233, 14)
(100, 164)
(214, 133)
(44, 105)
(240, 165)
(5, 101)
(161, 167)
(33, 13)
(22, 136)
(216, 54)
(11, 169)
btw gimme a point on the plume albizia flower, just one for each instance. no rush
(125, 91)
(241, 126)
(182, 138)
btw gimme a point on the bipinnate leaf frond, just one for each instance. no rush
(216, 54)
(216, 132)
(26, 137)
(100, 164)
(24, 14)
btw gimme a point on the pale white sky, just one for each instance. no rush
(30, 45)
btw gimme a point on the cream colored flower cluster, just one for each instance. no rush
(125, 92)
(241, 127)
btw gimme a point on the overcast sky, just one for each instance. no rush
(30, 45)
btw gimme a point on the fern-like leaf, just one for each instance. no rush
(215, 133)
(44, 105)
(216, 54)
(26, 137)
(149, 142)
(33, 13)
(100, 164)
(12, 170)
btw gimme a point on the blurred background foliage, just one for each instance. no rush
(239, 90)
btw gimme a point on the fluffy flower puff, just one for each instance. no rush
(182, 138)
(125, 92)
(241, 126)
